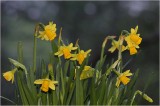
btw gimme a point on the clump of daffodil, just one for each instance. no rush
(133, 40)
(49, 32)
(123, 77)
(116, 45)
(9, 75)
(46, 84)
(65, 50)
(80, 56)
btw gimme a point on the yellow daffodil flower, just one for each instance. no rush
(115, 45)
(49, 32)
(9, 75)
(80, 56)
(46, 84)
(86, 72)
(65, 50)
(123, 77)
(133, 40)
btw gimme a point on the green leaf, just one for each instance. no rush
(21, 91)
(93, 97)
(44, 98)
(66, 66)
(101, 91)
(71, 91)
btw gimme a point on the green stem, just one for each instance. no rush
(34, 54)
(119, 66)
(146, 97)
(8, 100)
(20, 52)
(102, 51)
(116, 72)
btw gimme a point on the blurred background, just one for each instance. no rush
(91, 22)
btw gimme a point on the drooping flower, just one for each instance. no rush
(123, 77)
(80, 56)
(116, 45)
(9, 75)
(46, 84)
(133, 40)
(65, 50)
(49, 32)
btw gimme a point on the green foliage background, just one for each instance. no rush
(91, 22)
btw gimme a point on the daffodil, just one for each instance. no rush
(116, 45)
(49, 32)
(123, 77)
(80, 56)
(133, 40)
(65, 50)
(46, 84)
(9, 75)
(87, 72)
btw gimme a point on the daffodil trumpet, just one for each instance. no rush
(9, 75)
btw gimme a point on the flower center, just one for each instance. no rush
(132, 50)
(45, 86)
(66, 53)
(124, 79)
(50, 34)
(80, 58)
(136, 39)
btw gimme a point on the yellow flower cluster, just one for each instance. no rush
(49, 33)
(133, 40)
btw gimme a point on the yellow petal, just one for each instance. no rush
(55, 82)
(70, 45)
(88, 51)
(112, 49)
(127, 73)
(74, 48)
(51, 85)
(39, 81)
(132, 31)
(73, 58)
(57, 53)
